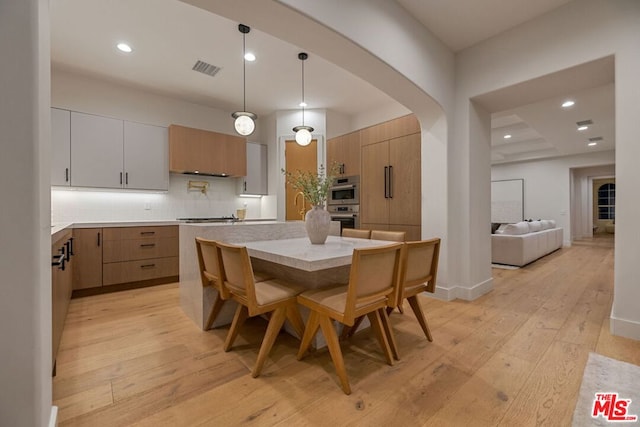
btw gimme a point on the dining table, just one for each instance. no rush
(309, 265)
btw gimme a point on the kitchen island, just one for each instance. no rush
(196, 300)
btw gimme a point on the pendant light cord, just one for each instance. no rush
(244, 73)
(303, 104)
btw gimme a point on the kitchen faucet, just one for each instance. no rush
(295, 203)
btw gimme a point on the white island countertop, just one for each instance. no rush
(301, 254)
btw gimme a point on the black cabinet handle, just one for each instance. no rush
(66, 174)
(147, 245)
(126, 178)
(391, 182)
(120, 178)
(386, 194)
(59, 260)
(68, 251)
(144, 266)
(245, 186)
(147, 233)
(98, 238)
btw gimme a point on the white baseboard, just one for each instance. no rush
(53, 419)
(468, 294)
(625, 328)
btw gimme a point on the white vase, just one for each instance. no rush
(317, 222)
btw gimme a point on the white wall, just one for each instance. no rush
(86, 94)
(25, 295)
(547, 185)
(579, 32)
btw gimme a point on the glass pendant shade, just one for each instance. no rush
(244, 123)
(303, 135)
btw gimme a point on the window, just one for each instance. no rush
(607, 201)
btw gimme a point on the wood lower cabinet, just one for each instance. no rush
(134, 254)
(60, 288)
(87, 271)
(118, 255)
(206, 152)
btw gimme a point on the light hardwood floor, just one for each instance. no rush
(512, 357)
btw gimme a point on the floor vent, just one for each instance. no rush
(205, 68)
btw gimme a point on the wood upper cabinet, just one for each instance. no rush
(345, 151)
(391, 129)
(60, 147)
(206, 152)
(87, 247)
(406, 200)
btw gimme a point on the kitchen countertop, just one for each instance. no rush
(58, 227)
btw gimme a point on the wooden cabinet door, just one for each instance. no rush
(345, 151)
(87, 268)
(192, 150)
(374, 204)
(60, 147)
(96, 151)
(405, 202)
(256, 180)
(146, 157)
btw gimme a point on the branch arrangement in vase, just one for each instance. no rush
(314, 187)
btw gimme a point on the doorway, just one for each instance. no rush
(303, 159)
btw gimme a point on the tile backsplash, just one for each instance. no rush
(221, 199)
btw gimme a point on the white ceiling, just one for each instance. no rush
(168, 36)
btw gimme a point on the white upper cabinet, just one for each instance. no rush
(146, 157)
(96, 151)
(60, 147)
(101, 152)
(255, 183)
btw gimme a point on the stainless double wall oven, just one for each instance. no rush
(344, 201)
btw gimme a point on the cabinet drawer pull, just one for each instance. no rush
(147, 245)
(148, 266)
(147, 233)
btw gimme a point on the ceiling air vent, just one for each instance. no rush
(584, 123)
(595, 138)
(205, 68)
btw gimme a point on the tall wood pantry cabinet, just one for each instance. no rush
(390, 181)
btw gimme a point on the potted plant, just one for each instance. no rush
(315, 190)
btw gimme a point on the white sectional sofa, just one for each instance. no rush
(524, 242)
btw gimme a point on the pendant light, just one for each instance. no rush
(303, 133)
(244, 120)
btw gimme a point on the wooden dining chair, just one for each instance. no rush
(392, 236)
(209, 275)
(357, 233)
(417, 275)
(271, 296)
(373, 279)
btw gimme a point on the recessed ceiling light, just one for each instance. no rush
(507, 136)
(249, 57)
(592, 144)
(583, 128)
(124, 47)
(302, 104)
(568, 104)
